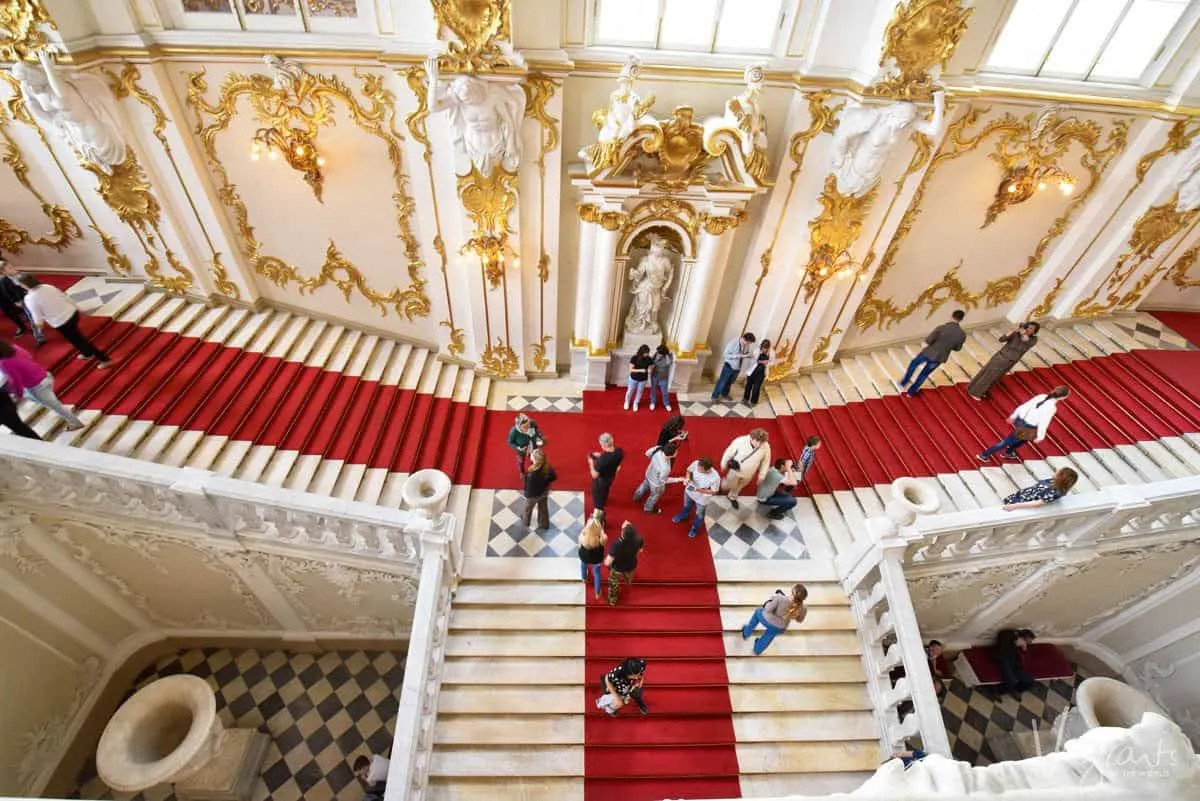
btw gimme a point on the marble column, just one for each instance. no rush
(601, 301)
(583, 281)
(712, 251)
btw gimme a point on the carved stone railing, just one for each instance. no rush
(890, 638)
(1145, 512)
(47, 475)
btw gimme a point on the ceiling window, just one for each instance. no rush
(1088, 40)
(710, 26)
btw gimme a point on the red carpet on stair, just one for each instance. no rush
(1186, 324)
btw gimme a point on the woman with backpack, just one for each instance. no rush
(774, 616)
(1030, 421)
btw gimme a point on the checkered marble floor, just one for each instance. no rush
(973, 714)
(508, 537)
(322, 710)
(1149, 331)
(693, 406)
(747, 533)
(545, 403)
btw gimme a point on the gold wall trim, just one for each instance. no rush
(455, 346)
(1178, 140)
(541, 361)
(63, 228)
(539, 89)
(1099, 151)
(822, 119)
(1177, 272)
(376, 118)
(127, 84)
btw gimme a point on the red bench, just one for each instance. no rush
(976, 666)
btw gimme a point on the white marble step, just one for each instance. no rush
(472, 699)
(513, 670)
(779, 785)
(770, 669)
(506, 729)
(516, 618)
(515, 787)
(549, 593)
(798, 642)
(798, 697)
(818, 757)
(519, 643)
(799, 726)
(548, 760)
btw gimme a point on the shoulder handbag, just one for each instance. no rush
(736, 464)
(1024, 432)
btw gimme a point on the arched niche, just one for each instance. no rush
(632, 247)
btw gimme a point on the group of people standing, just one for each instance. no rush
(741, 358)
(32, 305)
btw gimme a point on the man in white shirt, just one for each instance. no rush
(747, 457)
(733, 359)
(656, 476)
(51, 306)
(703, 482)
(1030, 421)
(373, 773)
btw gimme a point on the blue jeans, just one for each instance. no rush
(724, 381)
(1009, 443)
(663, 385)
(763, 640)
(595, 575)
(780, 502)
(927, 366)
(690, 506)
(629, 393)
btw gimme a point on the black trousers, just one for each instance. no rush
(635, 696)
(1016, 680)
(11, 420)
(14, 312)
(71, 333)
(600, 488)
(754, 383)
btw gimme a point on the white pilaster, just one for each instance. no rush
(583, 280)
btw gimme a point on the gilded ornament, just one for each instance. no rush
(376, 117)
(821, 353)
(488, 200)
(126, 85)
(455, 346)
(221, 278)
(785, 361)
(539, 89)
(920, 38)
(24, 25)
(481, 31)
(499, 360)
(719, 224)
(833, 232)
(126, 190)
(608, 220)
(416, 122)
(658, 209)
(1154, 228)
(14, 239)
(1179, 138)
(1099, 150)
(678, 150)
(117, 261)
(541, 362)
(1029, 156)
(1177, 273)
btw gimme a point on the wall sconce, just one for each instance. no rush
(298, 150)
(825, 264)
(490, 250)
(1021, 183)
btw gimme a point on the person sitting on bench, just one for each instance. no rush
(1011, 653)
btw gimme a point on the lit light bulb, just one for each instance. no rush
(273, 154)
(320, 161)
(254, 155)
(1067, 187)
(299, 150)
(1041, 186)
(1012, 188)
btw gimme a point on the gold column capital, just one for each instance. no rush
(608, 220)
(719, 224)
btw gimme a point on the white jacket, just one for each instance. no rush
(1037, 415)
(751, 462)
(659, 467)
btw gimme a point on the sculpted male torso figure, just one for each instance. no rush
(485, 118)
(866, 136)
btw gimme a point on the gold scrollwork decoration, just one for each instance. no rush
(376, 117)
(920, 38)
(678, 148)
(1152, 230)
(488, 200)
(833, 232)
(127, 85)
(821, 352)
(1179, 138)
(456, 345)
(720, 224)
(221, 278)
(499, 360)
(417, 121)
(1099, 150)
(117, 260)
(539, 89)
(1177, 273)
(659, 209)
(541, 361)
(23, 27)
(608, 220)
(481, 30)
(785, 361)
(126, 190)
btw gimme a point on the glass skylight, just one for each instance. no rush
(710, 26)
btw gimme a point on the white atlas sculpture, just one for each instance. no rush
(169, 732)
(58, 104)
(485, 116)
(626, 111)
(866, 136)
(649, 279)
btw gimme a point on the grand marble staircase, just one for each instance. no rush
(518, 679)
(267, 397)
(854, 404)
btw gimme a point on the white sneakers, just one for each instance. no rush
(626, 406)
(635, 406)
(651, 405)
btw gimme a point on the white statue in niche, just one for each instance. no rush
(626, 111)
(485, 116)
(649, 281)
(866, 136)
(1189, 178)
(58, 103)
